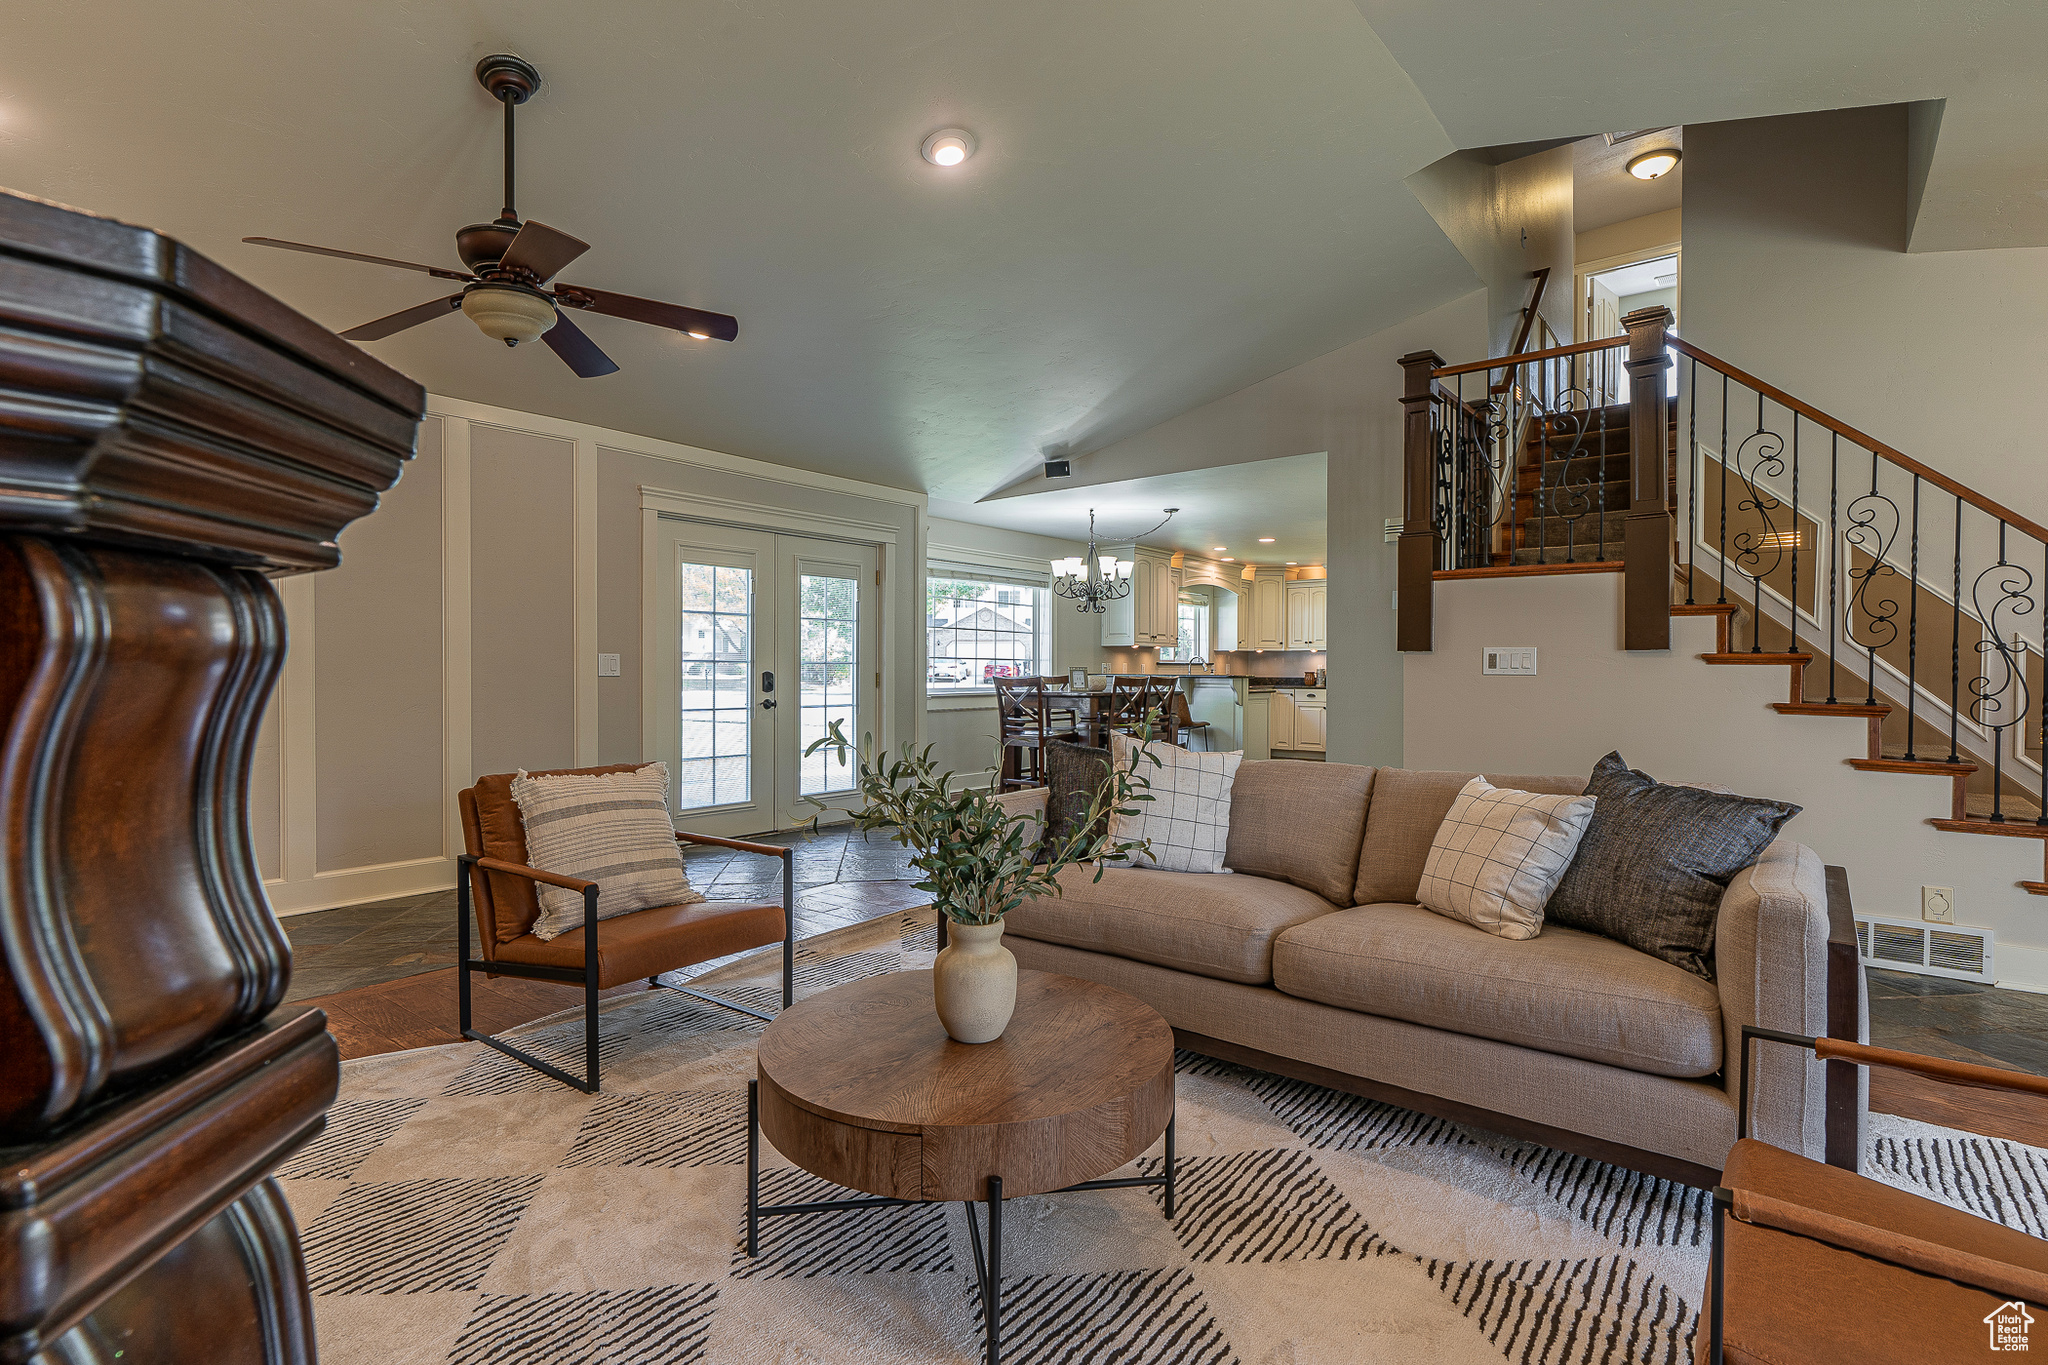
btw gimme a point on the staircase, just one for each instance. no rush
(1572, 487)
(1892, 595)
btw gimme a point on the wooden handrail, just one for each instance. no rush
(1509, 361)
(1542, 277)
(1855, 437)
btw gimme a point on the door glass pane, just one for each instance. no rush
(716, 650)
(828, 624)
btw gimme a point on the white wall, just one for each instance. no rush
(1680, 720)
(1508, 221)
(1796, 271)
(459, 637)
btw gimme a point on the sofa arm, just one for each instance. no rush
(1785, 959)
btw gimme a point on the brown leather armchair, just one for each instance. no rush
(493, 874)
(1818, 1264)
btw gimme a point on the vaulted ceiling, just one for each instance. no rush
(1169, 202)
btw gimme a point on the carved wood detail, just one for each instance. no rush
(168, 434)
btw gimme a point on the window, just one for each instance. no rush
(1194, 633)
(977, 630)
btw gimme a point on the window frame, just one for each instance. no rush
(995, 571)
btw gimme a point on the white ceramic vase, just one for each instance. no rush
(974, 983)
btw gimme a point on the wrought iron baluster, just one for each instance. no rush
(1913, 628)
(1692, 474)
(1600, 415)
(1721, 550)
(1760, 457)
(1756, 640)
(1955, 639)
(1998, 707)
(1798, 535)
(1873, 527)
(1834, 551)
(2042, 817)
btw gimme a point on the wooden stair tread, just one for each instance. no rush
(1875, 711)
(2011, 829)
(1746, 657)
(1704, 609)
(1931, 767)
(2035, 888)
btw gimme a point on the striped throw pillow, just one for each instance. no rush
(612, 829)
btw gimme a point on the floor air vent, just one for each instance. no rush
(1905, 945)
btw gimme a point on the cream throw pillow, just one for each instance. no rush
(610, 828)
(1499, 854)
(1188, 817)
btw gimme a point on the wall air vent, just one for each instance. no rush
(1904, 945)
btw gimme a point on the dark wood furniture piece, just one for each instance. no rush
(171, 436)
(861, 1085)
(1810, 1262)
(1026, 721)
(1132, 700)
(493, 873)
(1186, 729)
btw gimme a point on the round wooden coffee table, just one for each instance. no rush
(861, 1085)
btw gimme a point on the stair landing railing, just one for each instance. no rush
(1465, 434)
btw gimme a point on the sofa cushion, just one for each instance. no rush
(1407, 806)
(1563, 991)
(1180, 805)
(1211, 924)
(1299, 823)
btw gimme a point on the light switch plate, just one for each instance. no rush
(1938, 904)
(1516, 661)
(607, 665)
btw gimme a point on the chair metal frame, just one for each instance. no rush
(1827, 1049)
(469, 864)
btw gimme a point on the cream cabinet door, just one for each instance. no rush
(1143, 573)
(1319, 616)
(1280, 729)
(1311, 728)
(1269, 626)
(1297, 617)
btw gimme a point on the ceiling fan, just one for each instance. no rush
(505, 289)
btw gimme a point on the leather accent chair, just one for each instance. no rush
(493, 876)
(1819, 1264)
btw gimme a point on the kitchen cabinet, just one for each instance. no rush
(1308, 615)
(1258, 722)
(1280, 716)
(1149, 615)
(1299, 719)
(1269, 611)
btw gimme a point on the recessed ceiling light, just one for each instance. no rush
(1265, 540)
(948, 147)
(1221, 548)
(1290, 563)
(1230, 559)
(1650, 165)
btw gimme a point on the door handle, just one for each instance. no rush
(768, 704)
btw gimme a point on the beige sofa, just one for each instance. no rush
(1311, 959)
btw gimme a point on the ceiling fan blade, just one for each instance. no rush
(577, 350)
(433, 270)
(675, 316)
(542, 250)
(398, 322)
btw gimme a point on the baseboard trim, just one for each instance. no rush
(355, 885)
(1599, 1149)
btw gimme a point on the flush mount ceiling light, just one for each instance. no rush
(1650, 165)
(948, 147)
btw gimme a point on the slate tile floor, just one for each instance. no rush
(842, 878)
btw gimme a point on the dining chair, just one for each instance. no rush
(1026, 723)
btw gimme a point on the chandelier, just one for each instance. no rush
(1093, 580)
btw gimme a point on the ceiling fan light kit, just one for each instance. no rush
(509, 264)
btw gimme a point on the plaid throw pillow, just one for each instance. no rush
(1188, 817)
(612, 829)
(1499, 854)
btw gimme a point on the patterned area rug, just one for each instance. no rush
(462, 1209)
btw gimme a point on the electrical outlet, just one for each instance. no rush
(1518, 662)
(607, 665)
(1938, 904)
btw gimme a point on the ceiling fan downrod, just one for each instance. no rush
(512, 81)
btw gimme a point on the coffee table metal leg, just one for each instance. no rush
(1169, 1166)
(753, 1168)
(993, 1306)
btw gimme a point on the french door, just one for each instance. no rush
(766, 640)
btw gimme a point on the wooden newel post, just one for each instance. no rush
(1646, 536)
(173, 438)
(1414, 624)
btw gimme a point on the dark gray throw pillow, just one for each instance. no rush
(1655, 859)
(1074, 773)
